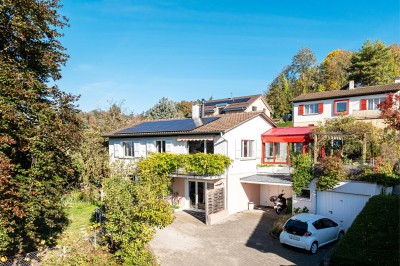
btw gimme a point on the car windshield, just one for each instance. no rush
(296, 227)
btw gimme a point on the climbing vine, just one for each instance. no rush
(302, 174)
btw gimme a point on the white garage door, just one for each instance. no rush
(341, 207)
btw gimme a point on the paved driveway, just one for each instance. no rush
(242, 239)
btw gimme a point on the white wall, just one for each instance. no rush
(266, 191)
(177, 146)
(241, 167)
(302, 120)
(260, 107)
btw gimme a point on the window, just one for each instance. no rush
(373, 103)
(160, 146)
(341, 107)
(310, 109)
(305, 194)
(254, 108)
(247, 148)
(128, 150)
(281, 151)
(198, 146)
(269, 152)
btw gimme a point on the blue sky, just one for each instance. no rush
(140, 51)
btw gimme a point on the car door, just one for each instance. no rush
(329, 229)
(321, 235)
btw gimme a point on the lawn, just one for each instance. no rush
(79, 215)
(373, 238)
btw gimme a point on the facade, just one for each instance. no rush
(251, 103)
(361, 103)
(237, 135)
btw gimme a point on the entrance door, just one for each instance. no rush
(197, 193)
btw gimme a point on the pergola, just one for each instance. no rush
(318, 136)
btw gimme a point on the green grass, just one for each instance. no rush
(373, 239)
(79, 215)
(284, 124)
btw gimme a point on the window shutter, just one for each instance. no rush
(320, 108)
(258, 148)
(117, 150)
(168, 146)
(238, 149)
(150, 147)
(301, 109)
(363, 104)
(136, 149)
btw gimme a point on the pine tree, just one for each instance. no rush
(374, 64)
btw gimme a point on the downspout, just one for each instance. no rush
(227, 170)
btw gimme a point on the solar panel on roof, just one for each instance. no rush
(229, 101)
(167, 125)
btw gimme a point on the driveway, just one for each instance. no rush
(241, 239)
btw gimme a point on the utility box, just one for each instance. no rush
(251, 205)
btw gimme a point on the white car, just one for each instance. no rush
(310, 231)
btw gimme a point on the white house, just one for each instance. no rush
(237, 135)
(251, 103)
(361, 103)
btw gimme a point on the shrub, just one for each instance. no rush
(373, 238)
(302, 174)
(277, 228)
(332, 172)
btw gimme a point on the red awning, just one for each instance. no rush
(288, 134)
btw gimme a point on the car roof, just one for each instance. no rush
(307, 217)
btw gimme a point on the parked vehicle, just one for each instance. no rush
(310, 231)
(279, 203)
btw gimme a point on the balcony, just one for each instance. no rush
(366, 114)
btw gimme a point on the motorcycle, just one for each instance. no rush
(279, 203)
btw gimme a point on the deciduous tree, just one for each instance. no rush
(390, 110)
(334, 69)
(39, 128)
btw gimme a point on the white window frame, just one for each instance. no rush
(132, 149)
(308, 109)
(250, 151)
(161, 146)
(372, 104)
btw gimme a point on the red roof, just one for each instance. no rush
(288, 134)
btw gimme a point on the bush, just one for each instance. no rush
(332, 172)
(302, 174)
(373, 239)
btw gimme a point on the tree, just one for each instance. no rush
(334, 69)
(374, 64)
(184, 108)
(279, 96)
(305, 71)
(39, 125)
(390, 110)
(395, 48)
(164, 109)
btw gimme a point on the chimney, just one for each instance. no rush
(195, 111)
(202, 109)
(351, 84)
(397, 79)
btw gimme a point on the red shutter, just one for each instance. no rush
(363, 104)
(320, 108)
(301, 109)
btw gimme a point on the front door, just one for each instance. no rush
(197, 193)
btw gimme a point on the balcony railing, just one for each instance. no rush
(366, 114)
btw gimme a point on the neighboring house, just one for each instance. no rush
(237, 135)
(361, 103)
(251, 103)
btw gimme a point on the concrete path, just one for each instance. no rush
(242, 239)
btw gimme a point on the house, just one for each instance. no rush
(251, 103)
(360, 103)
(237, 135)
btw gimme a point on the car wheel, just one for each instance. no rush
(340, 235)
(314, 248)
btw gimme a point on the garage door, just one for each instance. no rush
(341, 207)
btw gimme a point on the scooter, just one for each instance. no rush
(279, 203)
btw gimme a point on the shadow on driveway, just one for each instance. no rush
(261, 240)
(198, 214)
